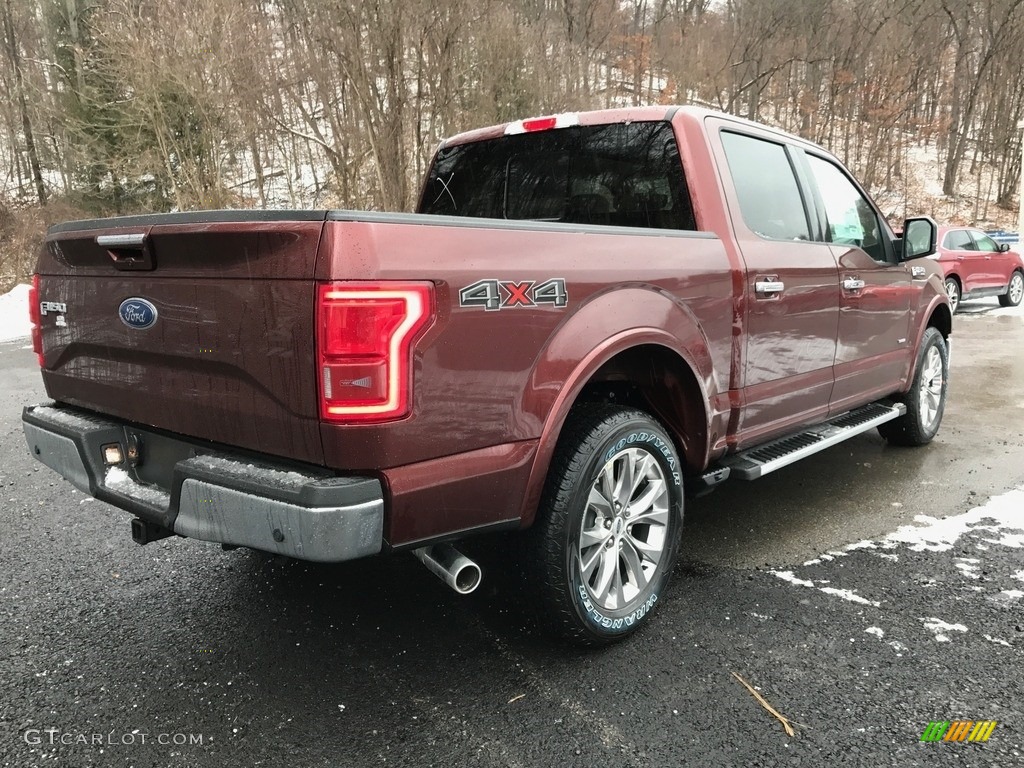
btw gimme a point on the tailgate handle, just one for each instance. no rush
(122, 241)
(130, 251)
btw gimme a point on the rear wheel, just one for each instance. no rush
(608, 527)
(926, 400)
(953, 292)
(1014, 291)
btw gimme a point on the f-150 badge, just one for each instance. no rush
(59, 307)
(500, 294)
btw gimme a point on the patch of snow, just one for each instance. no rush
(897, 645)
(995, 311)
(935, 535)
(1015, 540)
(940, 627)
(865, 544)
(820, 559)
(1013, 594)
(792, 579)
(847, 594)
(14, 319)
(968, 566)
(118, 480)
(876, 631)
(997, 641)
(251, 471)
(1019, 575)
(65, 417)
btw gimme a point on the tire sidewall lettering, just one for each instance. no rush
(643, 438)
(617, 622)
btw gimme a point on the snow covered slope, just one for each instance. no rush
(14, 322)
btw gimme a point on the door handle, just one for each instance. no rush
(769, 286)
(853, 284)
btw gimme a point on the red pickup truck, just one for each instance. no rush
(590, 317)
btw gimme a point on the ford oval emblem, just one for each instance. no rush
(137, 313)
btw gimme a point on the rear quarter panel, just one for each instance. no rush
(483, 378)
(485, 381)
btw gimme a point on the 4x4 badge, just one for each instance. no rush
(500, 294)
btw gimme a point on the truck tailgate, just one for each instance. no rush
(230, 355)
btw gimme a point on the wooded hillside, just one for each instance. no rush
(118, 106)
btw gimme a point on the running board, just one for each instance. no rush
(757, 462)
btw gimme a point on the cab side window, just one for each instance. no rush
(852, 220)
(766, 186)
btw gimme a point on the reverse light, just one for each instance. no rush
(534, 124)
(365, 335)
(36, 319)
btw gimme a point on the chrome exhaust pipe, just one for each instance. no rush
(450, 566)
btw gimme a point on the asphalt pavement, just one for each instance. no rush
(864, 593)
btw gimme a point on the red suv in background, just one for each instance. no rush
(975, 266)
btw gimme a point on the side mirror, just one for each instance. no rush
(919, 236)
(1004, 247)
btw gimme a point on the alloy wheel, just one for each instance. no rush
(931, 387)
(623, 534)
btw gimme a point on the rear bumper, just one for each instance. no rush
(215, 496)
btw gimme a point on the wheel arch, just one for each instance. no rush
(645, 368)
(941, 319)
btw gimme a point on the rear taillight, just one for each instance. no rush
(36, 319)
(365, 335)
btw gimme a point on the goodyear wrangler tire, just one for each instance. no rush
(608, 527)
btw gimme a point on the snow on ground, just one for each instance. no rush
(939, 628)
(999, 522)
(14, 322)
(988, 308)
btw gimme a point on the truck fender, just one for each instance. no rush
(609, 324)
(937, 314)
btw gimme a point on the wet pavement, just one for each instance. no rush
(865, 592)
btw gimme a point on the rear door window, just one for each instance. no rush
(959, 240)
(623, 174)
(766, 187)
